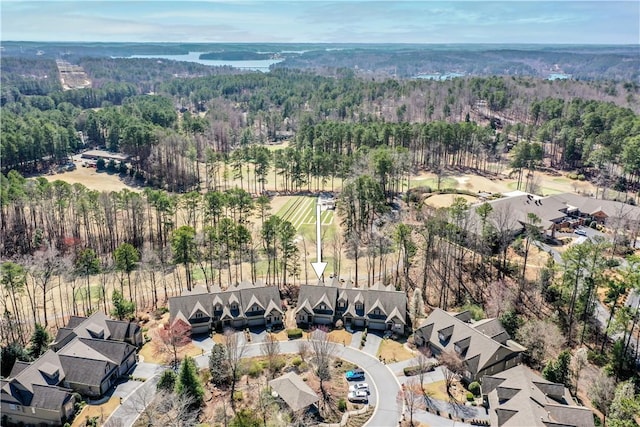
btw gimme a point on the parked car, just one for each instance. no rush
(358, 396)
(355, 375)
(580, 232)
(359, 386)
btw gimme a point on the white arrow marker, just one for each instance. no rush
(318, 266)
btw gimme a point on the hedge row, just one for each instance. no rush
(294, 333)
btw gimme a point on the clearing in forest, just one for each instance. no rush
(300, 211)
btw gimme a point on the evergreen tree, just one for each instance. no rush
(188, 382)
(11, 353)
(557, 371)
(219, 366)
(39, 342)
(122, 309)
(127, 258)
(167, 381)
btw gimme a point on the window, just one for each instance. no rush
(341, 304)
(376, 311)
(234, 306)
(13, 407)
(359, 306)
(323, 306)
(218, 307)
(199, 315)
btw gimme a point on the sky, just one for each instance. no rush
(311, 21)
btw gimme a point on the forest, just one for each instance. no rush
(207, 153)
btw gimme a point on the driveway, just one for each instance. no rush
(134, 402)
(384, 385)
(459, 411)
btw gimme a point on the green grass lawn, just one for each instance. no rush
(96, 293)
(300, 211)
(445, 182)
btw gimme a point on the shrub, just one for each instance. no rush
(612, 262)
(255, 369)
(342, 405)
(469, 396)
(597, 358)
(476, 311)
(474, 388)
(294, 333)
(410, 371)
(278, 364)
(581, 177)
(237, 396)
(297, 361)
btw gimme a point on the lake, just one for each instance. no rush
(257, 65)
(438, 76)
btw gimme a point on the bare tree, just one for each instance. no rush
(322, 352)
(601, 393)
(540, 347)
(579, 360)
(270, 348)
(453, 368)
(500, 298)
(172, 410)
(423, 364)
(172, 338)
(303, 350)
(235, 351)
(416, 307)
(412, 397)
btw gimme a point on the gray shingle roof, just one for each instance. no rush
(294, 391)
(85, 371)
(482, 350)
(93, 349)
(49, 397)
(18, 367)
(245, 295)
(519, 397)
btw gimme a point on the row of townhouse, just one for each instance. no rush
(378, 307)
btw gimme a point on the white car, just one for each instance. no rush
(359, 386)
(580, 232)
(358, 396)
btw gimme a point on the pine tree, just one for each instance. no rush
(39, 342)
(167, 381)
(219, 366)
(188, 382)
(122, 309)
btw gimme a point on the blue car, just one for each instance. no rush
(355, 375)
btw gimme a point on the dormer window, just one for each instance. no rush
(199, 315)
(359, 306)
(323, 306)
(218, 307)
(234, 306)
(255, 307)
(376, 311)
(341, 304)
